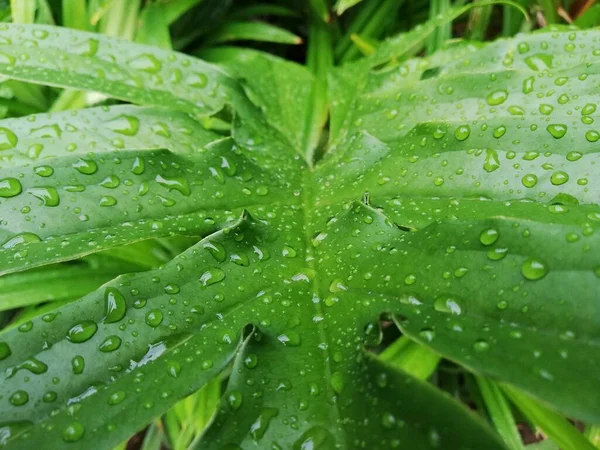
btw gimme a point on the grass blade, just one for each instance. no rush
(500, 413)
(565, 435)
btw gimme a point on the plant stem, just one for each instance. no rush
(319, 60)
(411, 357)
(500, 413)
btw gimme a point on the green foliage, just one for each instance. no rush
(218, 232)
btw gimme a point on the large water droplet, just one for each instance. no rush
(557, 130)
(115, 306)
(497, 97)
(73, 432)
(82, 332)
(110, 344)
(8, 139)
(47, 195)
(85, 166)
(146, 62)
(125, 124)
(534, 269)
(212, 276)
(216, 250)
(154, 318)
(10, 187)
(174, 183)
(447, 304)
(489, 236)
(261, 424)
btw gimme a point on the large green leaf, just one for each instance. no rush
(477, 232)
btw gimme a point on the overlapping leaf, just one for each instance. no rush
(479, 235)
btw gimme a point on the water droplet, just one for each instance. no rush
(107, 200)
(116, 397)
(8, 139)
(289, 338)
(10, 187)
(592, 135)
(86, 166)
(173, 368)
(462, 132)
(174, 183)
(234, 399)
(497, 97)
(138, 166)
(558, 178)
(125, 124)
(534, 269)
(491, 160)
(540, 61)
(251, 361)
(110, 182)
(481, 345)
(241, 259)
(260, 425)
(23, 238)
(427, 333)
(110, 344)
(43, 171)
(212, 276)
(197, 79)
(557, 130)
(288, 252)
(5, 351)
(337, 382)
(19, 398)
(489, 236)
(82, 332)
(154, 318)
(146, 62)
(447, 304)
(115, 306)
(216, 250)
(337, 285)
(73, 432)
(47, 195)
(78, 364)
(529, 180)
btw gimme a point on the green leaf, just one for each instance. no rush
(75, 14)
(477, 233)
(342, 5)
(500, 412)
(122, 70)
(22, 11)
(252, 31)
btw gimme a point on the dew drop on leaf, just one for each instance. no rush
(82, 332)
(557, 130)
(489, 236)
(115, 306)
(110, 344)
(534, 269)
(154, 318)
(212, 276)
(73, 432)
(10, 187)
